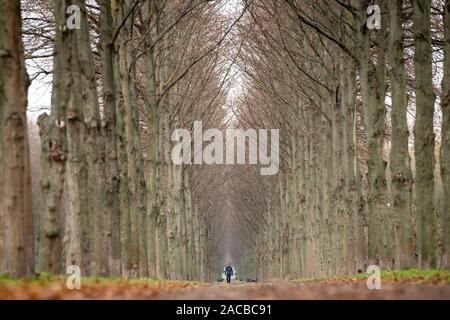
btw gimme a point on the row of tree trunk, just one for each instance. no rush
(113, 201)
(348, 194)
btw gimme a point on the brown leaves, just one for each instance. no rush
(96, 291)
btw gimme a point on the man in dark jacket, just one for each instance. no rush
(229, 272)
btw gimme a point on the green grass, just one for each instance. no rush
(432, 275)
(112, 280)
(38, 279)
(428, 276)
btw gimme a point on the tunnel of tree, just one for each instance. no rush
(359, 91)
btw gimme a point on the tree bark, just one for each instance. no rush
(95, 151)
(445, 143)
(129, 221)
(16, 229)
(153, 156)
(400, 167)
(373, 94)
(424, 135)
(109, 129)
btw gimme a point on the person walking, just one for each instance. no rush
(229, 272)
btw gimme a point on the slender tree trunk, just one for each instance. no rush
(121, 71)
(424, 134)
(138, 166)
(76, 235)
(401, 175)
(197, 242)
(129, 222)
(354, 198)
(153, 155)
(111, 234)
(373, 95)
(95, 150)
(189, 227)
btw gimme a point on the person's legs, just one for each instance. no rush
(228, 278)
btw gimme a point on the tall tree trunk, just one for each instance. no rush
(54, 151)
(138, 173)
(172, 225)
(122, 157)
(424, 134)
(95, 150)
(16, 230)
(76, 236)
(109, 128)
(129, 222)
(445, 144)
(373, 95)
(189, 251)
(353, 196)
(84, 163)
(153, 155)
(401, 175)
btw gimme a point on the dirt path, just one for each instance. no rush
(221, 291)
(312, 291)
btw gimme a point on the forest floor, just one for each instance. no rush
(395, 285)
